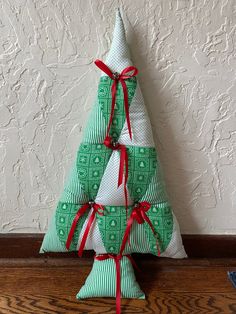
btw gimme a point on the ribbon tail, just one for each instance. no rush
(102, 66)
(126, 105)
(126, 200)
(118, 286)
(154, 233)
(80, 212)
(122, 164)
(113, 103)
(102, 257)
(126, 235)
(86, 232)
(133, 262)
(125, 183)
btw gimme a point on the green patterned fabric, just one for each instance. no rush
(97, 125)
(65, 215)
(101, 282)
(113, 224)
(104, 96)
(145, 183)
(92, 160)
(162, 220)
(142, 165)
(73, 192)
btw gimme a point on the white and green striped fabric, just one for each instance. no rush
(101, 282)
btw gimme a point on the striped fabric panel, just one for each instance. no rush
(138, 240)
(101, 281)
(95, 130)
(175, 248)
(73, 192)
(94, 240)
(156, 191)
(51, 241)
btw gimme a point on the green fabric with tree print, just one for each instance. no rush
(161, 217)
(105, 100)
(142, 165)
(113, 224)
(92, 160)
(65, 214)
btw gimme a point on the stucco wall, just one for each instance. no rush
(185, 51)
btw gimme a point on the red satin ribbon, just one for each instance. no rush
(117, 259)
(116, 77)
(97, 208)
(123, 164)
(138, 214)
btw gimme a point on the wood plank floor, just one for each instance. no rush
(49, 286)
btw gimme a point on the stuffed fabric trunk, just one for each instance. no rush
(114, 201)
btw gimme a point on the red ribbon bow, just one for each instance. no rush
(138, 214)
(116, 77)
(117, 259)
(97, 208)
(123, 163)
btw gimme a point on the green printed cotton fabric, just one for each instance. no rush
(105, 99)
(142, 165)
(92, 160)
(65, 215)
(101, 282)
(96, 128)
(162, 220)
(143, 185)
(113, 224)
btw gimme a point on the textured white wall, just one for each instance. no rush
(185, 51)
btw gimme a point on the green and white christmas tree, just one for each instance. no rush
(115, 201)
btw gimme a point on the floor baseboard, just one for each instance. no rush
(26, 245)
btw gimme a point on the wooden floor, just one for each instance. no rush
(49, 286)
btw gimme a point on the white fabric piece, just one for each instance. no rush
(140, 123)
(175, 249)
(94, 239)
(109, 194)
(118, 57)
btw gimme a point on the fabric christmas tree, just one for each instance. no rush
(114, 201)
